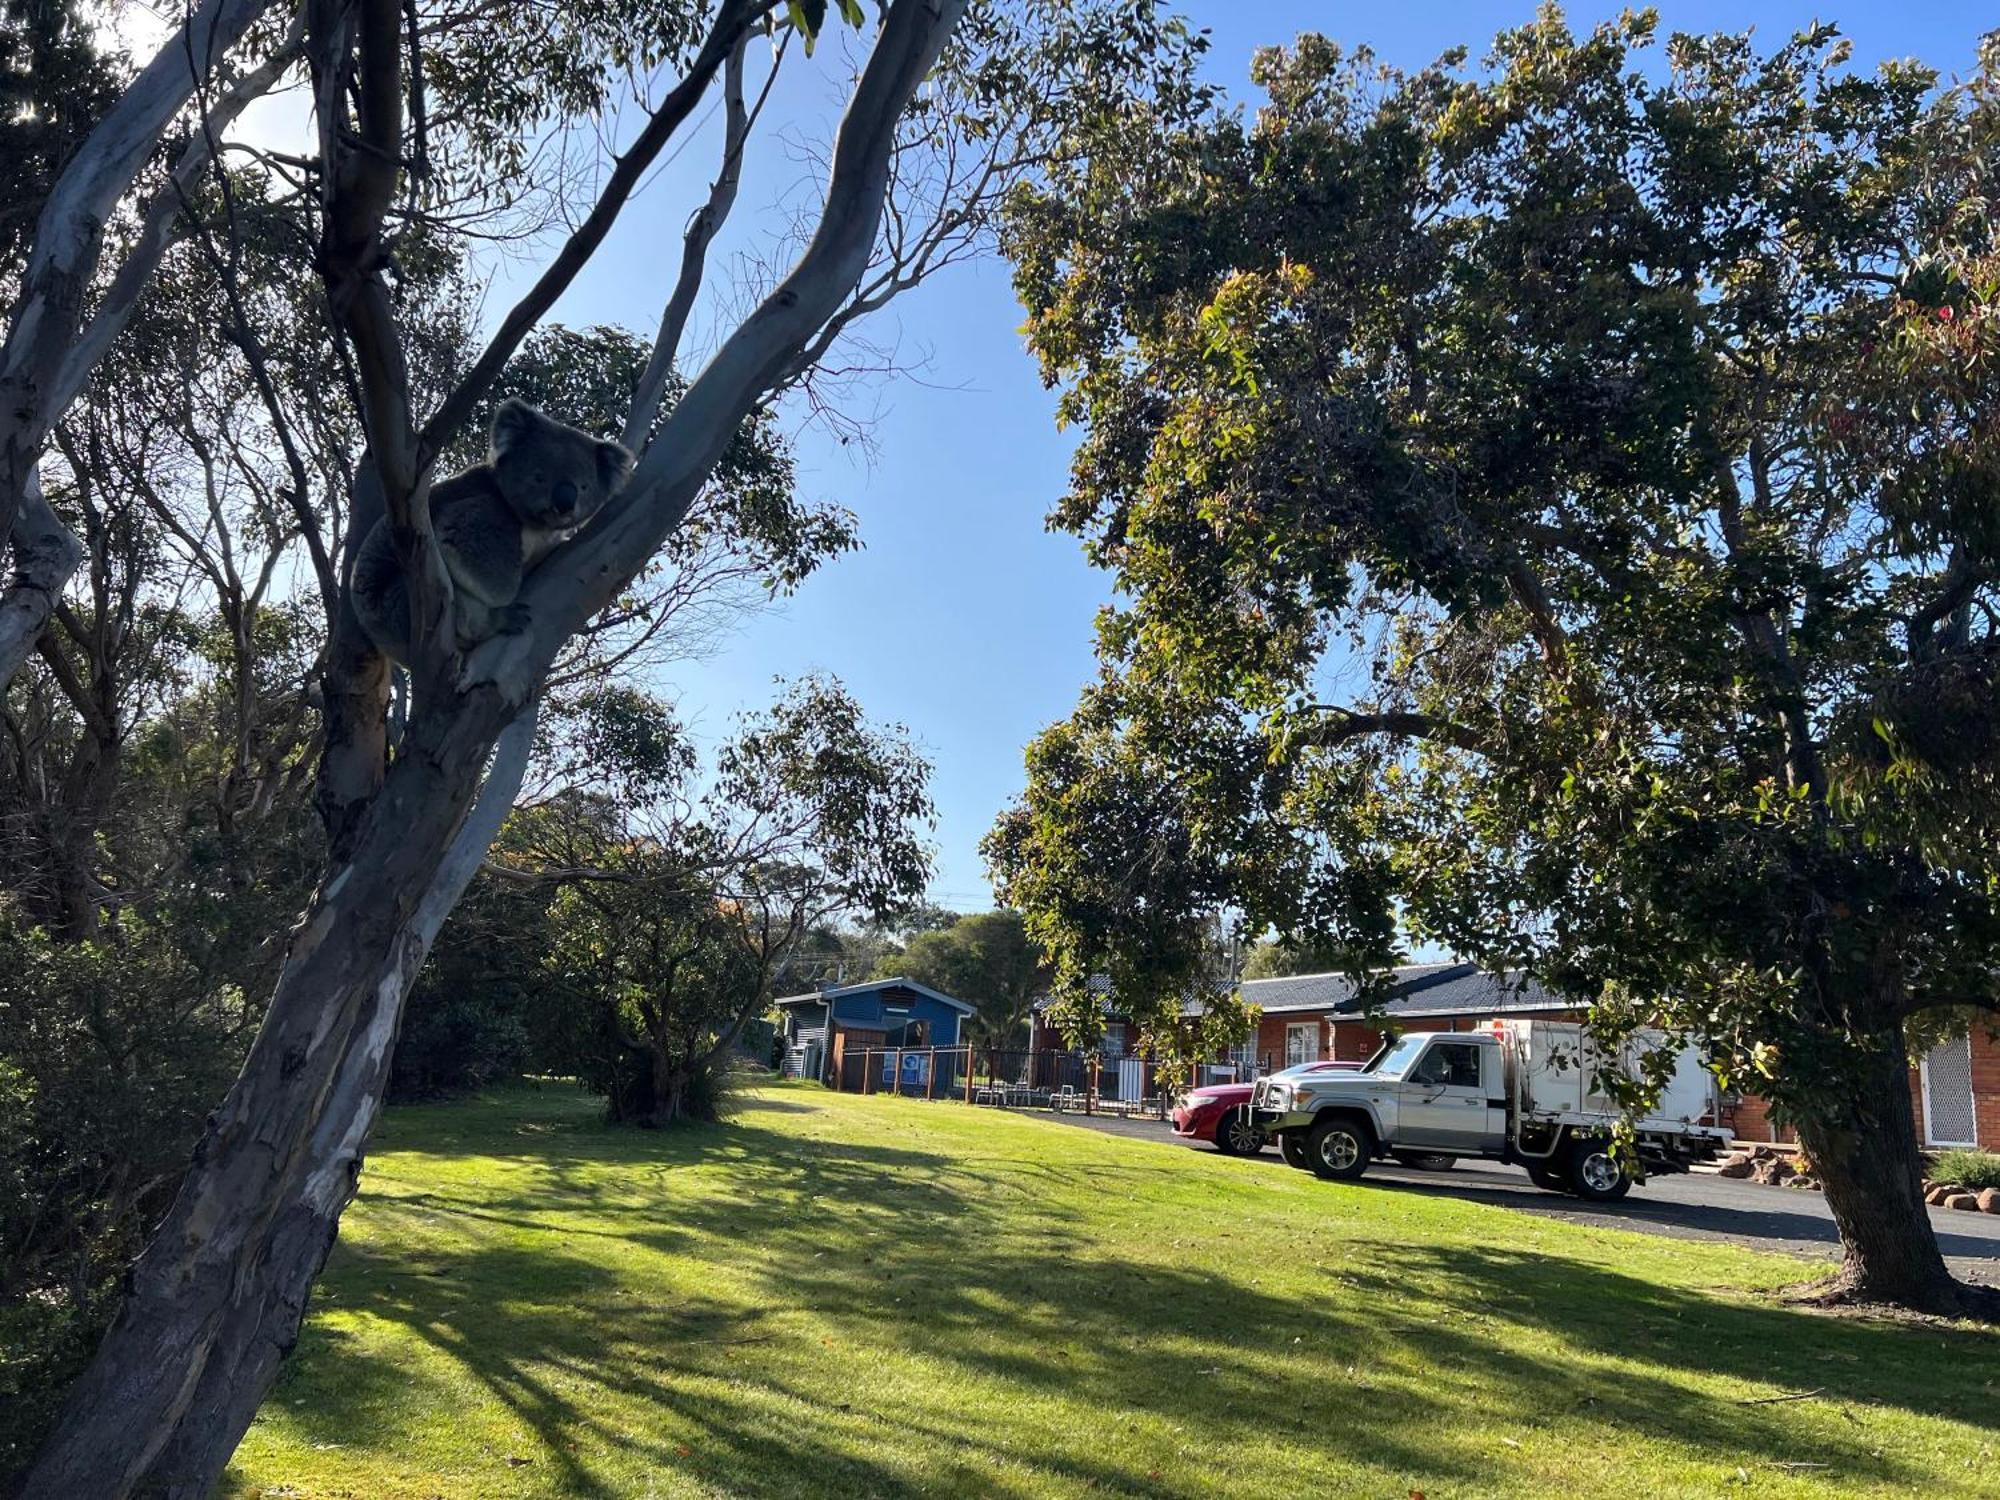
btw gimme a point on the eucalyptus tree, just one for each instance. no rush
(985, 959)
(432, 118)
(1553, 513)
(678, 915)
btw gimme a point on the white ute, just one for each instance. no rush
(1523, 1091)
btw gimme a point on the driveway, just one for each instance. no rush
(1689, 1206)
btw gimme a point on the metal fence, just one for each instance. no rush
(914, 1072)
(1021, 1078)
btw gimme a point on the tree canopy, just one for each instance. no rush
(984, 959)
(224, 363)
(1553, 512)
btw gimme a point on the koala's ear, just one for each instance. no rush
(614, 462)
(513, 421)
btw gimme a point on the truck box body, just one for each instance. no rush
(1557, 1067)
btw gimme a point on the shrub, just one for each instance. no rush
(471, 1020)
(455, 1043)
(1968, 1169)
(110, 1056)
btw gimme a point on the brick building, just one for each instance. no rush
(1311, 1016)
(1954, 1093)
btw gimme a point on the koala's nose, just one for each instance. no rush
(565, 497)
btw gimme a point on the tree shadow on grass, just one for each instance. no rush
(767, 1103)
(1639, 1211)
(887, 1255)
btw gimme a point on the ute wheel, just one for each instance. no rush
(1292, 1146)
(1595, 1173)
(1337, 1148)
(1426, 1161)
(1236, 1134)
(1547, 1176)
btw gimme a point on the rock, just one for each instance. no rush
(1962, 1200)
(1937, 1193)
(1742, 1164)
(1989, 1200)
(1772, 1169)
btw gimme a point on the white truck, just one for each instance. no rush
(1520, 1091)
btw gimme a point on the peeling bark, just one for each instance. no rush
(264, 1320)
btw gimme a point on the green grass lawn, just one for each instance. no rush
(845, 1296)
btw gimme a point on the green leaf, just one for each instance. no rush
(809, 16)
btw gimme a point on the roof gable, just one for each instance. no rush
(870, 986)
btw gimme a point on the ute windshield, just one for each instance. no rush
(1392, 1061)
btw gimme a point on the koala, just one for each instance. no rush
(540, 482)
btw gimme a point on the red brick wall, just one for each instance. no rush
(1985, 1090)
(1353, 1042)
(1986, 1087)
(1271, 1037)
(1750, 1121)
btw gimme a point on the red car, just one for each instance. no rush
(1218, 1112)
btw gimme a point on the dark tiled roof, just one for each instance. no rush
(1477, 993)
(1416, 991)
(1299, 992)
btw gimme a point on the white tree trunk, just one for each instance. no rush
(43, 363)
(45, 556)
(216, 1299)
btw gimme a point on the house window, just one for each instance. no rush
(1301, 1043)
(1114, 1039)
(1949, 1116)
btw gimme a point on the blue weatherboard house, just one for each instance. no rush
(879, 1013)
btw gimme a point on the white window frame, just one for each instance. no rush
(1924, 1089)
(1312, 1030)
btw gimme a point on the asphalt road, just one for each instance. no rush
(1690, 1206)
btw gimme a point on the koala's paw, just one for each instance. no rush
(511, 619)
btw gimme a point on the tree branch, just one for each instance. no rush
(701, 232)
(45, 556)
(69, 236)
(42, 365)
(585, 576)
(1347, 724)
(1960, 582)
(732, 24)
(157, 232)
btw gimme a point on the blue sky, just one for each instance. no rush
(963, 618)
